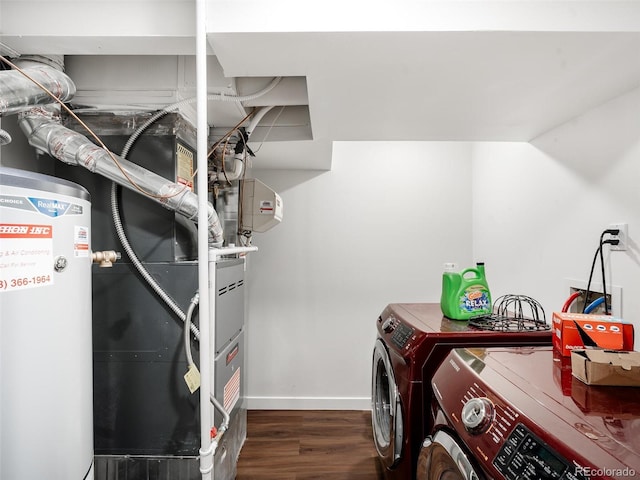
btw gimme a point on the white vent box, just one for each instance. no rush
(261, 206)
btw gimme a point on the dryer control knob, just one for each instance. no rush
(477, 415)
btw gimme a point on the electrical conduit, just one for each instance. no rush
(115, 208)
(162, 294)
(226, 418)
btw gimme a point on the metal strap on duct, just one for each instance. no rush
(73, 148)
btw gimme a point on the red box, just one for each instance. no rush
(603, 331)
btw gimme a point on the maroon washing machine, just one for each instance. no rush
(514, 413)
(413, 339)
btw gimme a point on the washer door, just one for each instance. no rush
(441, 458)
(386, 408)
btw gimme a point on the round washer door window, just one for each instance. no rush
(441, 458)
(386, 408)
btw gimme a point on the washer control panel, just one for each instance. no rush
(400, 334)
(478, 414)
(524, 456)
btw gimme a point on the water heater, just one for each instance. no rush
(46, 401)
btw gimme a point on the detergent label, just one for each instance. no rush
(475, 299)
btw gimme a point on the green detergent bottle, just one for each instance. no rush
(465, 294)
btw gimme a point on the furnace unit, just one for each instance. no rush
(146, 420)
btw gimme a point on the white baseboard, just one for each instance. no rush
(308, 403)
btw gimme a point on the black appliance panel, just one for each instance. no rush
(155, 233)
(525, 456)
(141, 403)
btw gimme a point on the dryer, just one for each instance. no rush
(500, 413)
(412, 341)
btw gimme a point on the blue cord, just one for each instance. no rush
(593, 305)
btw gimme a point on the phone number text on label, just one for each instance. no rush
(12, 283)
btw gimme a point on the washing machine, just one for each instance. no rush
(412, 341)
(500, 413)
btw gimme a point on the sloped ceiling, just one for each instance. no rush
(380, 70)
(435, 70)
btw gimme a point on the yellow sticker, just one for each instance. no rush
(192, 378)
(184, 169)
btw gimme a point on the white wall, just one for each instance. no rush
(539, 208)
(377, 228)
(532, 212)
(374, 230)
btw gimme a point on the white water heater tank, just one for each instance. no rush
(46, 399)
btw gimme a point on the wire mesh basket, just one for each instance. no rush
(513, 313)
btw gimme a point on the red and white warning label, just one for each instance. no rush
(232, 391)
(26, 256)
(80, 241)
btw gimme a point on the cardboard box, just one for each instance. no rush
(606, 367)
(578, 330)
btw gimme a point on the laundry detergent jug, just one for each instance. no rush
(465, 294)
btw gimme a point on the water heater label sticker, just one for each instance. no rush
(20, 203)
(45, 206)
(51, 208)
(55, 208)
(26, 256)
(80, 241)
(232, 391)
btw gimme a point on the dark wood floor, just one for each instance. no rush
(308, 445)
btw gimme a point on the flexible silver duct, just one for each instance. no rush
(5, 137)
(18, 93)
(71, 147)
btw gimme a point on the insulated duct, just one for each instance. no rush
(73, 148)
(18, 92)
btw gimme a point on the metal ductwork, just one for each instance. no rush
(48, 136)
(19, 92)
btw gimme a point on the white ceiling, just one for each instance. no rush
(433, 70)
(404, 70)
(467, 86)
